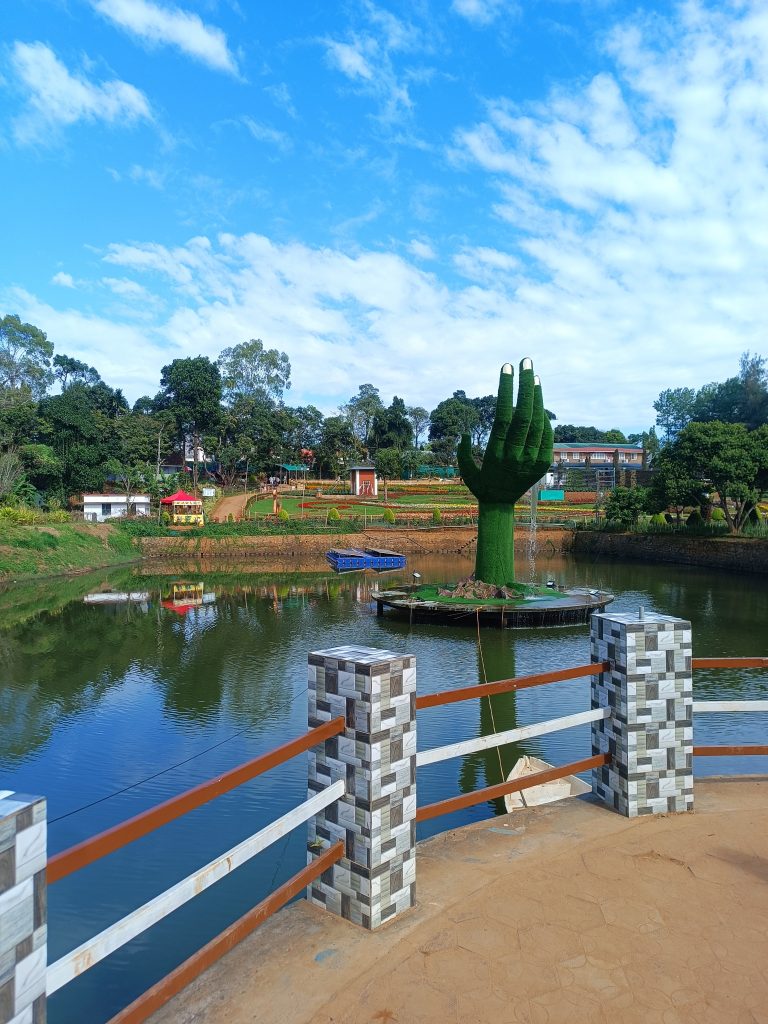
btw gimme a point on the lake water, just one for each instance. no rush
(108, 709)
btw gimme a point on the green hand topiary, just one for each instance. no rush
(518, 454)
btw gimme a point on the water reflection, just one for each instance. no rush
(497, 713)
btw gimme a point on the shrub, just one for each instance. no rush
(437, 516)
(333, 515)
(19, 514)
(695, 519)
(659, 519)
(283, 514)
(389, 516)
(718, 516)
(58, 515)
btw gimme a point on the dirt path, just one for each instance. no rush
(233, 506)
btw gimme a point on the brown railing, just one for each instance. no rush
(434, 700)
(731, 750)
(161, 993)
(90, 850)
(729, 663)
(458, 803)
(726, 751)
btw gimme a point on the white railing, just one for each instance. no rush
(718, 706)
(497, 739)
(76, 962)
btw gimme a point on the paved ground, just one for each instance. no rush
(566, 913)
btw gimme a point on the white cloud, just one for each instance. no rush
(126, 288)
(281, 95)
(65, 280)
(348, 59)
(479, 12)
(629, 254)
(147, 176)
(372, 59)
(171, 26)
(421, 250)
(481, 263)
(265, 133)
(56, 98)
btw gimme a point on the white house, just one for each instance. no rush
(98, 507)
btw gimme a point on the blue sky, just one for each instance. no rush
(407, 194)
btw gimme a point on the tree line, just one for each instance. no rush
(65, 431)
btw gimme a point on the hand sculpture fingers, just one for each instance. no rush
(470, 472)
(547, 440)
(536, 431)
(505, 405)
(521, 421)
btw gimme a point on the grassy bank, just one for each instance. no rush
(28, 551)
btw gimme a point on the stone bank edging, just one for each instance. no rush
(452, 540)
(733, 553)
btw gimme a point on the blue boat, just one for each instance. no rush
(351, 559)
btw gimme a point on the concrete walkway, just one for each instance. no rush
(566, 913)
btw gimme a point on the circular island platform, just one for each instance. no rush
(571, 607)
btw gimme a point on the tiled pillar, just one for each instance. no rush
(375, 692)
(649, 733)
(23, 930)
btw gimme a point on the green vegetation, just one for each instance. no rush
(61, 548)
(519, 453)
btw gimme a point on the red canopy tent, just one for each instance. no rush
(181, 497)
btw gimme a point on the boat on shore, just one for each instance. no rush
(545, 792)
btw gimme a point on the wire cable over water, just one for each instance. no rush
(163, 771)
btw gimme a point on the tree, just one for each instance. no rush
(731, 459)
(68, 370)
(131, 478)
(304, 430)
(361, 410)
(249, 370)
(42, 466)
(448, 421)
(388, 463)
(81, 435)
(569, 433)
(25, 356)
(675, 408)
(145, 438)
(191, 390)
(419, 420)
(672, 485)
(486, 409)
(11, 472)
(391, 427)
(338, 446)
(625, 505)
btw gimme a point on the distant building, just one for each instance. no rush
(98, 507)
(363, 481)
(629, 455)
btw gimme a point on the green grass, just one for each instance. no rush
(64, 548)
